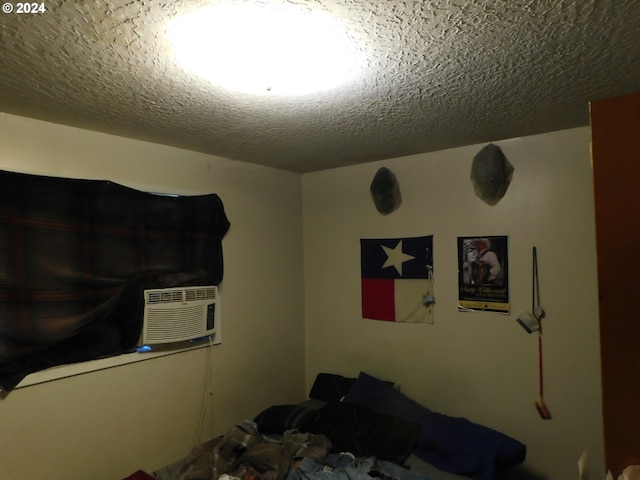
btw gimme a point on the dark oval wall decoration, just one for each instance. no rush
(491, 174)
(385, 191)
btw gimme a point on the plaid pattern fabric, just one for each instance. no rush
(69, 248)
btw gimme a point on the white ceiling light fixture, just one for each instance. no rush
(265, 48)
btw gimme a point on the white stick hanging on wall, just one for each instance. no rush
(532, 322)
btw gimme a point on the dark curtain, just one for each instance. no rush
(75, 256)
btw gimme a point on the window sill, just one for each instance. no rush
(74, 369)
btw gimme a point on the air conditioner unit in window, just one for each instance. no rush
(179, 314)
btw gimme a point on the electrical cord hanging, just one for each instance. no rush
(207, 393)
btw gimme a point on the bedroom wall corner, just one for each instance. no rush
(109, 423)
(481, 366)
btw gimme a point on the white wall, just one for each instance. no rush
(481, 366)
(107, 424)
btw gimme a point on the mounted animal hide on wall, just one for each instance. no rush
(491, 174)
(385, 191)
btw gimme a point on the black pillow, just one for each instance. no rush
(280, 418)
(365, 433)
(330, 387)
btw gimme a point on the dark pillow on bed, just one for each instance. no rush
(380, 396)
(279, 418)
(330, 387)
(365, 433)
(139, 475)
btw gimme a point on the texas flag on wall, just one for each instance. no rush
(397, 279)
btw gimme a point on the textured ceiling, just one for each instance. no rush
(439, 74)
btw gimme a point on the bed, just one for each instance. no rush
(359, 428)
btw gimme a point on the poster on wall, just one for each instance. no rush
(397, 279)
(483, 274)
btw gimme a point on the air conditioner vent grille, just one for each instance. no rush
(181, 295)
(203, 293)
(165, 296)
(174, 324)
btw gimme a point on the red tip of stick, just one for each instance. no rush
(543, 410)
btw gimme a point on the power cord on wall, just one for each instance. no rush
(208, 393)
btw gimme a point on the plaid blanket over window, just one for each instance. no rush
(75, 256)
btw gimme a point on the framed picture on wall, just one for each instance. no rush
(483, 274)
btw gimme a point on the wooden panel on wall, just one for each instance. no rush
(615, 126)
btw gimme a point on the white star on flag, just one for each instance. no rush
(396, 257)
